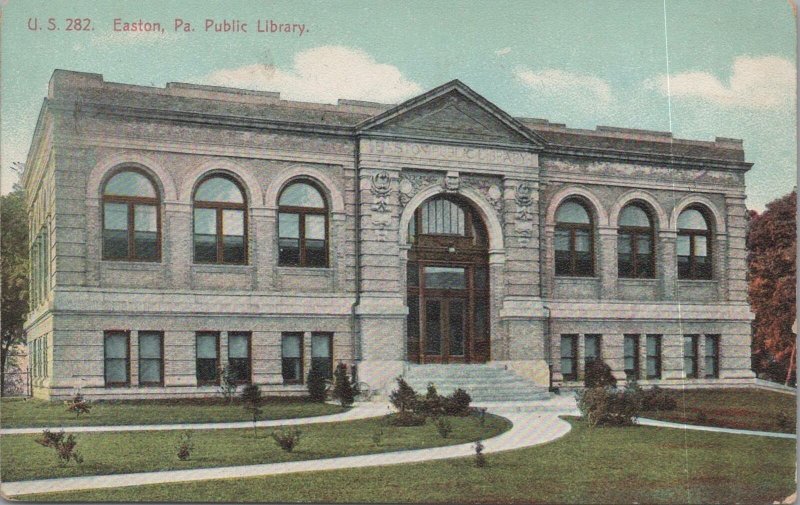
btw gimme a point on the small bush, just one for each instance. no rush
(185, 446)
(444, 427)
(251, 397)
(342, 387)
(227, 383)
(701, 418)
(406, 418)
(785, 422)
(608, 406)
(377, 437)
(78, 405)
(480, 458)
(480, 413)
(287, 440)
(457, 404)
(404, 398)
(598, 374)
(432, 404)
(656, 398)
(316, 385)
(64, 445)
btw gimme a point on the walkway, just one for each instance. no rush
(529, 428)
(666, 424)
(360, 411)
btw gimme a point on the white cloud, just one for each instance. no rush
(759, 83)
(587, 91)
(324, 74)
(503, 52)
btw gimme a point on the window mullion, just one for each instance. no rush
(220, 259)
(131, 231)
(302, 234)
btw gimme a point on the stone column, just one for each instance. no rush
(263, 247)
(606, 261)
(672, 357)
(381, 311)
(736, 252)
(667, 265)
(613, 353)
(177, 232)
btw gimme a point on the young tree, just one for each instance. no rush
(14, 267)
(251, 397)
(316, 385)
(342, 388)
(772, 245)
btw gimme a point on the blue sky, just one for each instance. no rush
(731, 63)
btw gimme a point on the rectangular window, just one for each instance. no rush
(205, 235)
(653, 356)
(690, 355)
(631, 353)
(288, 239)
(316, 250)
(592, 350)
(145, 231)
(292, 357)
(322, 353)
(233, 242)
(207, 347)
(117, 358)
(151, 358)
(569, 357)
(115, 231)
(712, 356)
(239, 356)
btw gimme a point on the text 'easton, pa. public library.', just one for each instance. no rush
(178, 230)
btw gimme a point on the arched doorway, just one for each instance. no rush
(447, 283)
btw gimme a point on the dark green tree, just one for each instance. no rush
(342, 387)
(316, 385)
(251, 398)
(14, 266)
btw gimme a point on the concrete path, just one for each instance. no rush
(666, 424)
(360, 411)
(529, 428)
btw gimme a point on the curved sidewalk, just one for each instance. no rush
(360, 411)
(666, 424)
(529, 428)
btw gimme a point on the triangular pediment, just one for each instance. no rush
(454, 113)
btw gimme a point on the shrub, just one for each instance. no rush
(78, 405)
(480, 459)
(227, 382)
(444, 427)
(404, 398)
(185, 446)
(608, 406)
(598, 374)
(377, 436)
(457, 404)
(481, 414)
(701, 418)
(406, 418)
(287, 440)
(251, 397)
(64, 445)
(342, 387)
(316, 385)
(656, 398)
(432, 404)
(785, 422)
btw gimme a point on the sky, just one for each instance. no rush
(705, 69)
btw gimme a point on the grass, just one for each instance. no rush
(17, 413)
(109, 453)
(747, 409)
(601, 465)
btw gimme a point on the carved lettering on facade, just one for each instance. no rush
(448, 152)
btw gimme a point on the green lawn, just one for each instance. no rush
(748, 409)
(107, 453)
(17, 413)
(600, 465)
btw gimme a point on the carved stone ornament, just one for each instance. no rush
(451, 182)
(381, 187)
(523, 199)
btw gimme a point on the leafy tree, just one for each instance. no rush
(404, 397)
(227, 383)
(342, 388)
(772, 245)
(316, 385)
(251, 397)
(14, 266)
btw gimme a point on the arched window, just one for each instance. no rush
(635, 253)
(694, 245)
(574, 240)
(302, 226)
(220, 221)
(131, 218)
(443, 216)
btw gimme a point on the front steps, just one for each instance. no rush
(484, 383)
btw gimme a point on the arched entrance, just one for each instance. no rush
(447, 283)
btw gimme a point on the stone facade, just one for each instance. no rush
(375, 165)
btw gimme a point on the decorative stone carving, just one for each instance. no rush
(490, 190)
(381, 188)
(524, 221)
(411, 183)
(451, 182)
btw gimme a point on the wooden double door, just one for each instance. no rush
(448, 313)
